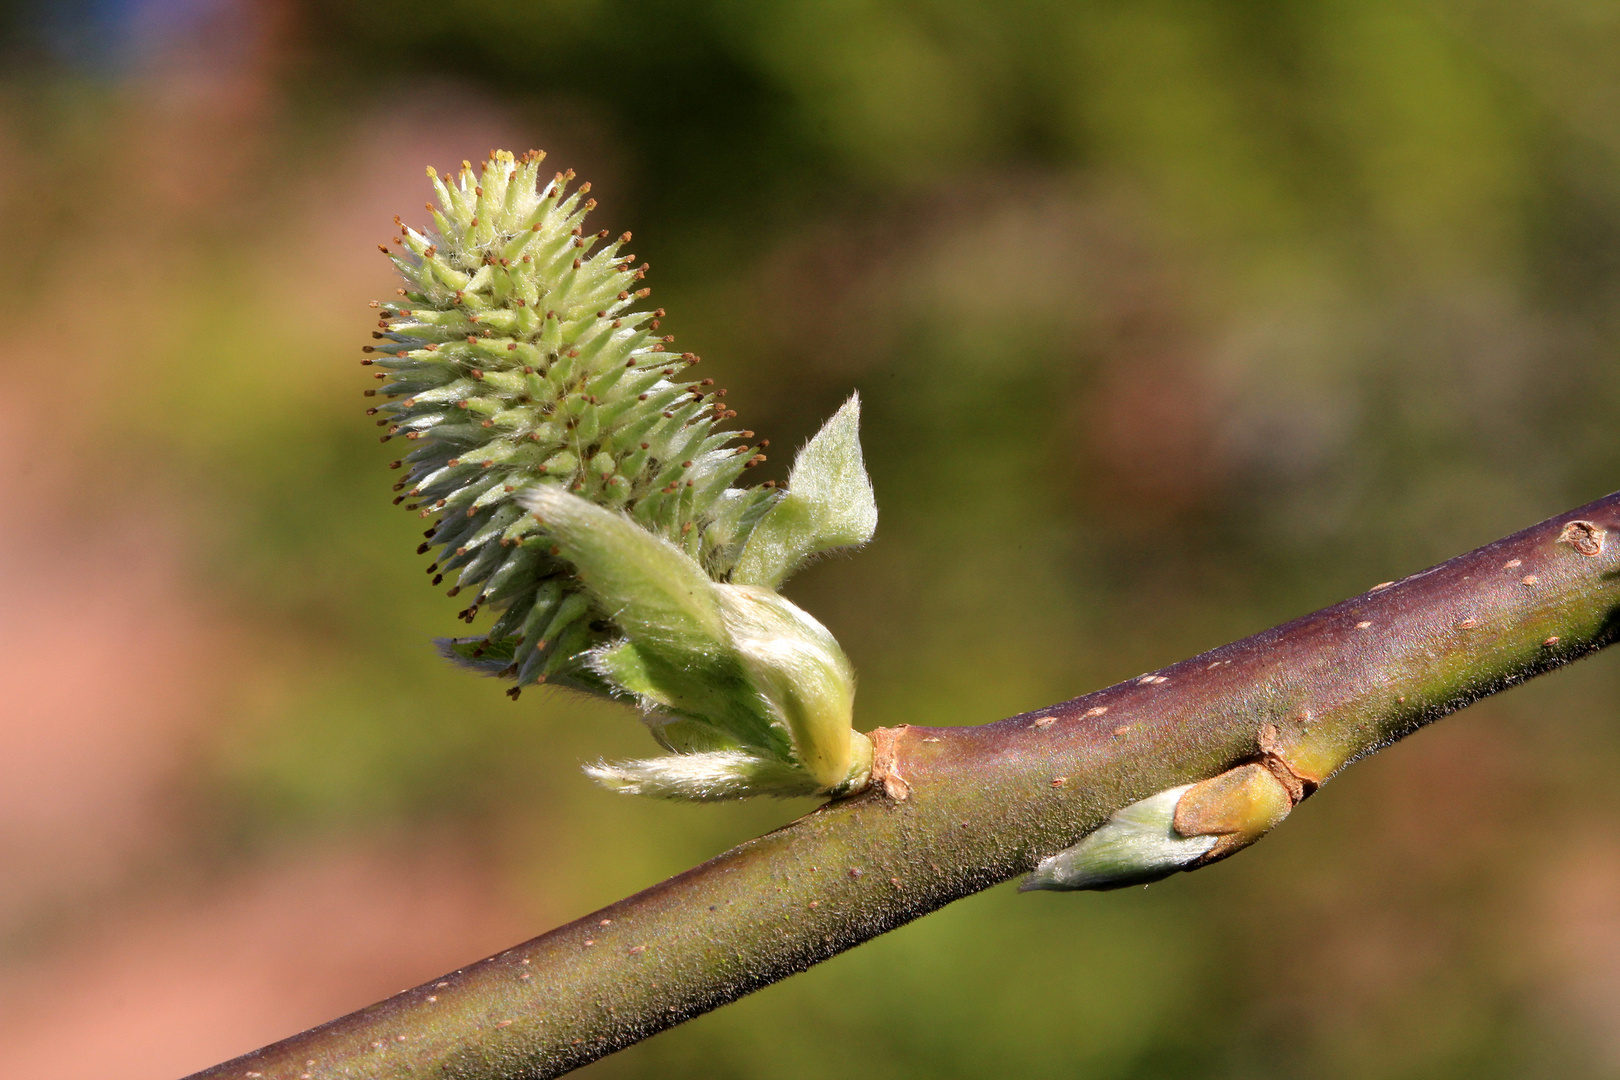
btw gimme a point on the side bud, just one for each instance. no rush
(1138, 844)
(1180, 828)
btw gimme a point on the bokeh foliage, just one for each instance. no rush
(1172, 320)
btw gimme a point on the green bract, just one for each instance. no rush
(581, 492)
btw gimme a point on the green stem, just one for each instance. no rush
(959, 809)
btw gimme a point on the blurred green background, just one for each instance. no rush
(1173, 320)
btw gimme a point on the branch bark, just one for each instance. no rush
(955, 810)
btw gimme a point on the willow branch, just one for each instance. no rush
(955, 810)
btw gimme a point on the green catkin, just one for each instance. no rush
(582, 496)
(519, 355)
